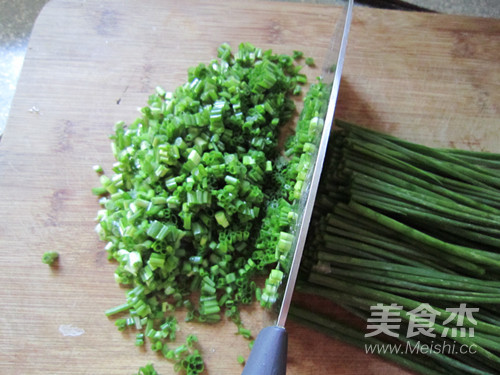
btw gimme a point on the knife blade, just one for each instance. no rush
(269, 353)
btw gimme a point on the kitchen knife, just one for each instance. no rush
(269, 352)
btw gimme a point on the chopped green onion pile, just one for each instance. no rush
(400, 223)
(201, 201)
(147, 370)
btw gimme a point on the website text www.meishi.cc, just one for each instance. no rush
(447, 348)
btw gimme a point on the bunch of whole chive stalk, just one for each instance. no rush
(409, 234)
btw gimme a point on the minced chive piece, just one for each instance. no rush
(99, 190)
(297, 55)
(50, 257)
(191, 339)
(269, 166)
(276, 275)
(210, 308)
(97, 169)
(301, 78)
(231, 180)
(246, 333)
(117, 309)
(241, 360)
(208, 289)
(134, 262)
(230, 278)
(147, 370)
(210, 318)
(285, 242)
(193, 160)
(221, 219)
(121, 324)
(160, 91)
(139, 339)
(156, 260)
(309, 61)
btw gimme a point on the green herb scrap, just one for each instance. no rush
(147, 370)
(297, 55)
(241, 360)
(309, 61)
(50, 258)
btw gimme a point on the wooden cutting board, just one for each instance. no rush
(433, 79)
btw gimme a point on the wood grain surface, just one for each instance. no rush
(428, 78)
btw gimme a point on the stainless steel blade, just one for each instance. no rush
(332, 72)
